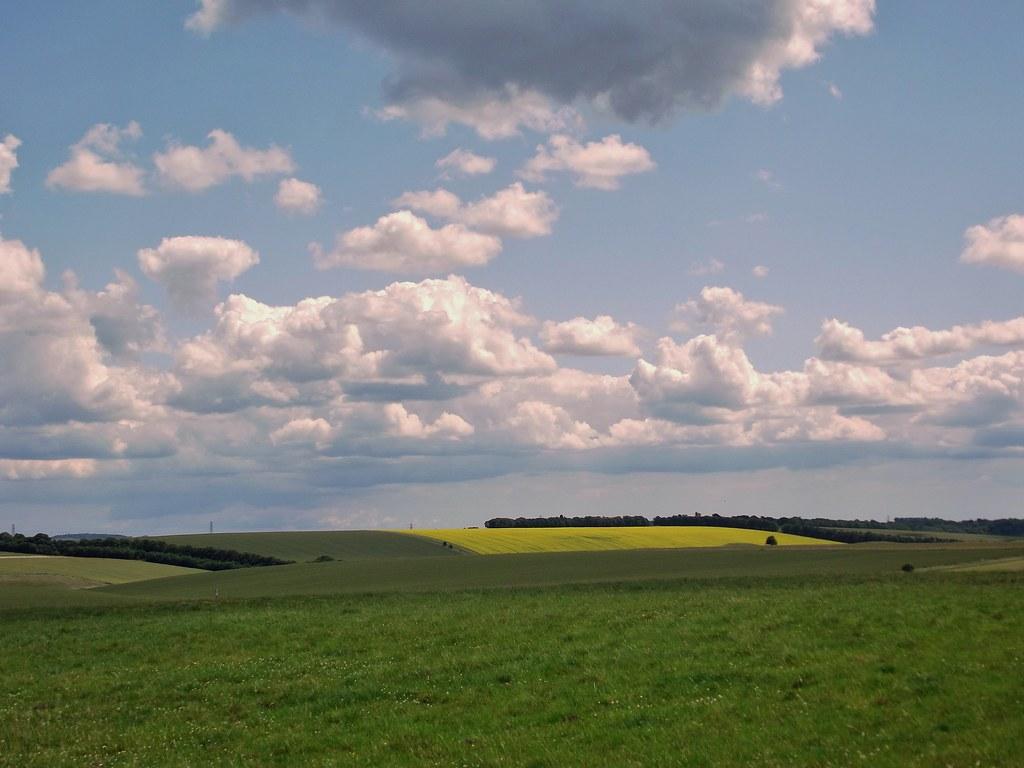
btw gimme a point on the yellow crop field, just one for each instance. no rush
(506, 541)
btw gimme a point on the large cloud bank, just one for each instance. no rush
(498, 66)
(386, 386)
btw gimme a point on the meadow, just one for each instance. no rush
(81, 571)
(705, 656)
(448, 574)
(895, 670)
(34, 581)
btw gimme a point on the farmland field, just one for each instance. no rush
(705, 656)
(554, 568)
(83, 571)
(34, 580)
(302, 546)
(895, 670)
(1002, 564)
(495, 541)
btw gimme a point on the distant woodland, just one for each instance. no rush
(124, 548)
(907, 530)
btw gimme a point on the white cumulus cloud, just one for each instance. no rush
(8, 161)
(999, 243)
(582, 336)
(41, 469)
(317, 432)
(727, 313)
(53, 366)
(841, 341)
(424, 338)
(596, 164)
(402, 423)
(295, 196)
(498, 115)
(510, 212)
(97, 164)
(190, 267)
(549, 426)
(403, 242)
(462, 162)
(195, 169)
(703, 379)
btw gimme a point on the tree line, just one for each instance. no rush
(1000, 527)
(149, 550)
(588, 521)
(819, 528)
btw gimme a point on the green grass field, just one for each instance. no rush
(33, 581)
(714, 656)
(549, 569)
(1002, 564)
(899, 670)
(505, 541)
(82, 571)
(303, 546)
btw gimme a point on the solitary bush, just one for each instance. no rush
(324, 559)
(907, 568)
(771, 541)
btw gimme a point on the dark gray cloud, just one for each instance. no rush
(1000, 437)
(645, 59)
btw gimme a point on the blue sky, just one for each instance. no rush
(852, 176)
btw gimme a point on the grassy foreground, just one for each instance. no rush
(903, 670)
(506, 541)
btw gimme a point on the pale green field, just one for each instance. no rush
(1005, 565)
(507, 541)
(79, 572)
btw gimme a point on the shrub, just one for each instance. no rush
(324, 559)
(771, 541)
(907, 568)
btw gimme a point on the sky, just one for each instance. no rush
(304, 264)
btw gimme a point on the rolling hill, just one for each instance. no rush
(303, 546)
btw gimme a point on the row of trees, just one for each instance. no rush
(819, 528)
(150, 550)
(998, 527)
(589, 521)
(1001, 527)
(735, 521)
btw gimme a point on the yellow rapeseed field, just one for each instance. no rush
(502, 541)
